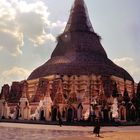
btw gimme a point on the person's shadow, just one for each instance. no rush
(100, 137)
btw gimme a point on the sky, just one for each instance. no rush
(28, 31)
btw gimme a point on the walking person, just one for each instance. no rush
(59, 118)
(17, 111)
(96, 129)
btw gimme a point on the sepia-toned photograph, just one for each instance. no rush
(69, 70)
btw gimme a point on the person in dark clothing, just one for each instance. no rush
(59, 118)
(17, 111)
(97, 127)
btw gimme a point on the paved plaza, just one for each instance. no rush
(16, 131)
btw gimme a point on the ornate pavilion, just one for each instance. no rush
(78, 82)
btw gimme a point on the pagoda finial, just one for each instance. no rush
(79, 18)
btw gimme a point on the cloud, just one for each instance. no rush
(57, 27)
(23, 21)
(130, 65)
(33, 22)
(59, 24)
(40, 40)
(24, 24)
(10, 38)
(11, 42)
(15, 73)
(1, 48)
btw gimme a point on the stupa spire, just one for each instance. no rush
(79, 18)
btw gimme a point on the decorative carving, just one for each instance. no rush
(41, 90)
(24, 89)
(73, 91)
(15, 92)
(59, 97)
(5, 92)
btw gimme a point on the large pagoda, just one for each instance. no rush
(77, 81)
(79, 51)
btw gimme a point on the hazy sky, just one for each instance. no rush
(28, 29)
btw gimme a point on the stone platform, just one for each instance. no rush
(12, 131)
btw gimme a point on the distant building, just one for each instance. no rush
(78, 82)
